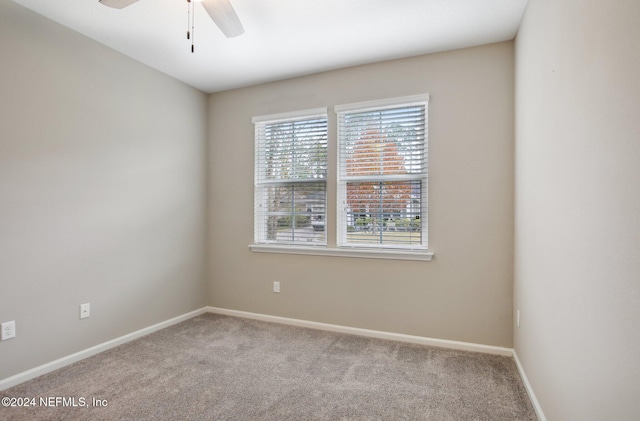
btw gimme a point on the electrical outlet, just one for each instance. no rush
(85, 310)
(276, 286)
(8, 330)
(518, 318)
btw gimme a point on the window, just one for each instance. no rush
(381, 163)
(290, 178)
(382, 174)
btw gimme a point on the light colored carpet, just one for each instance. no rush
(216, 367)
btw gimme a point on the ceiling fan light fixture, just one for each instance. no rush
(117, 4)
(224, 16)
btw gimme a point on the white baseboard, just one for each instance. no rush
(527, 385)
(69, 359)
(421, 340)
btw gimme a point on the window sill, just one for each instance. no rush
(425, 256)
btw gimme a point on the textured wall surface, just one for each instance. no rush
(465, 293)
(577, 248)
(102, 192)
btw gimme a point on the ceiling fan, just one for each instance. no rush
(220, 11)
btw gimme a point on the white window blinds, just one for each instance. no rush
(290, 178)
(382, 174)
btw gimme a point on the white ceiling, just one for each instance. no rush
(284, 38)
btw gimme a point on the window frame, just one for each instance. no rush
(342, 238)
(330, 249)
(262, 183)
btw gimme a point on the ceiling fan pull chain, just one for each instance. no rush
(188, 19)
(193, 23)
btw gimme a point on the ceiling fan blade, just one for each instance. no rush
(117, 4)
(224, 16)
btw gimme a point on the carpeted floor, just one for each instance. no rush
(216, 367)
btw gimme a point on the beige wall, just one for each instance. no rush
(102, 186)
(578, 207)
(465, 293)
